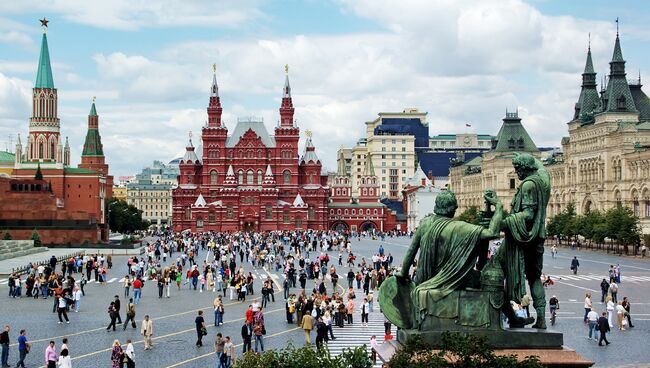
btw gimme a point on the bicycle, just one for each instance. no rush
(553, 316)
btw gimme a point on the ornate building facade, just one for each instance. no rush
(605, 160)
(250, 180)
(79, 192)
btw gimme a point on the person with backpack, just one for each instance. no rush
(130, 314)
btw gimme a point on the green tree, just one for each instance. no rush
(305, 357)
(470, 215)
(123, 217)
(7, 236)
(623, 226)
(37, 239)
(39, 174)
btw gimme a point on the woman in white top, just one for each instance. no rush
(610, 311)
(64, 360)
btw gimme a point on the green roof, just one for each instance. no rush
(7, 156)
(44, 75)
(513, 137)
(93, 144)
(93, 111)
(78, 170)
(476, 161)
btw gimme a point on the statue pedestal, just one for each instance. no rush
(558, 357)
(516, 338)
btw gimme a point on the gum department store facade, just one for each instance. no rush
(605, 160)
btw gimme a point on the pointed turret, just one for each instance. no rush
(340, 163)
(214, 108)
(310, 153)
(589, 101)
(286, 109)
(269, 179)
(341, 191)
(44, 75)
(618, 97)
(369, 168)
(66, 153)
(230, 177)
(93, 144)
(368, 186)
(19, 151)
(190, 156)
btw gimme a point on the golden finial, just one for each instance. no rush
(214, 68)
(286, 69)
(308, 133)
(94, 98)
(190, 134)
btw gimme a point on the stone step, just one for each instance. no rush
(23, 252)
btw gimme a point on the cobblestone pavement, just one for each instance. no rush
(174, 333)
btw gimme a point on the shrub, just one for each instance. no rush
(7, 236)
(305, 357)
(37, 239)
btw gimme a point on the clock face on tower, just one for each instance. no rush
(466, 141)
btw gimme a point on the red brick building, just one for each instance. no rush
(363, 213)
(250, 179)
(83, 189)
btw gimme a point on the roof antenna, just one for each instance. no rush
(616, 26)
(589, 43)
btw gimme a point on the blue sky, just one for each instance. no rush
(149, 64)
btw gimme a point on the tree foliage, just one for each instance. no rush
(470, 215)
(7, 236)
(305, 357)
(123, 217)
(37, 239)
(456, 350)
(618, 224)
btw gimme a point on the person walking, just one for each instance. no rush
(118, 304)
(620, 316)
(62, 309)
(130, 314)
(327, 319)
(246, 335)
(588, 305)
(50, 355)
(258, 332)
(373, 348)
(349, 307)
(23, 348)
(219, 347)
(307, 324)
(229, 350)
(321, 333)
(64, 360)
(592, 318)
(127, 285)
(113, 316)
(137, 290)
(610, 311)
(626, 305)
(146, 330)
(77, 294)
(603, 328)
(365, 309)
(200, 328)
(117, 355)
(129, 354)
(574, 265)
(604, 288)
(4, 342)
(613, 289)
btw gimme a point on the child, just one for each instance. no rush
(77, 299)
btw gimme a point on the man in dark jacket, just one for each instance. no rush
(246, 336)
(604, 287)
(603, 328)
(574, 265)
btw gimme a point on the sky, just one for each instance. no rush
(149, 64)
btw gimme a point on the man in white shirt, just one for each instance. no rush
(255, 306)
(592, 318)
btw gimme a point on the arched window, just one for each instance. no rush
(311, 178)
(52, 150)
(286, 174)
(259, 177)
(240, 178)
(199, 222)
(188, 213)
(249, 177)
(354, 212)
(213, 177)
(40, 149)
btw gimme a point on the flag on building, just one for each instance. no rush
(467, 125)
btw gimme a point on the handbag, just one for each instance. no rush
(263, 330)
(204, 331)
(597, 327)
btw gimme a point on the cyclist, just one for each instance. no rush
(554, 304)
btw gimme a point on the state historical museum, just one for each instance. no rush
(250, 180)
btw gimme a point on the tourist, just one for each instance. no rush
(130, 314)
(4, 342)
(246, 335)
(626, 305)
(219, 347)
(64, 360)
(373, 349)
(365, 308)
(112, 314)
(592, 318)
(229, 349)
(129, 354)
(200, 328)
(307, 324)
(327, 319)
(620, 314)
(349, 308)
(574, 265)
(613, 289)
(321, 333)
(137, 290)
(62, 309)
(23, 348)
(258, 332)
(77, 294)
(117, 308)
(610, 311)
(218, 311)
(604, 288)
(127, 285)
(603, 328)
(117, 355)
(588, 305)
(146, 330)
(50, 355)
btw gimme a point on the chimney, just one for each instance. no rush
(424, 182)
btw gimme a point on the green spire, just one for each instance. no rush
(618, 54)
(44, 75)
(93, 111)
(589, 65)
(38, 175)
